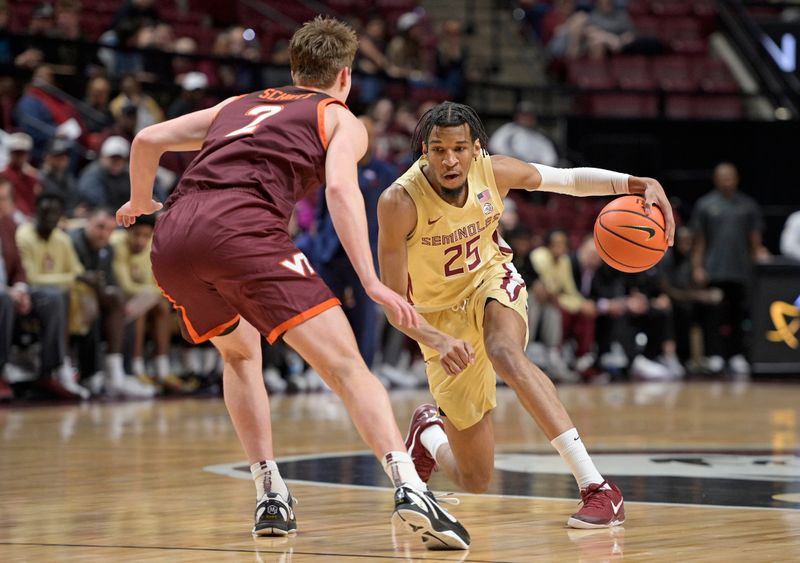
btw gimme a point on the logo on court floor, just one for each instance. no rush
(747, 478)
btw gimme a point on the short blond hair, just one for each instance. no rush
(320, 49)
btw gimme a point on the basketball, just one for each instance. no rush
(627, 238)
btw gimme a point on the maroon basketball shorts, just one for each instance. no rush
(220, 254)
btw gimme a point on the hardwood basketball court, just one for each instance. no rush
(710, 472)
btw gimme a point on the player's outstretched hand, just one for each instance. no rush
(127, 214)
(399, 311)
(654, 194)
(455, 355)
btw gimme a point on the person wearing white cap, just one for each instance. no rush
(23, 176)
(405, 51)
(192, 96)
(105, 182)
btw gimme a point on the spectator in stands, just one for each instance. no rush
(148, 110)
(371, 60)
(183, 64)
(92, 246)
(50, 262)
(98, 96)
(520, 240)
(134, 274)
(451, 59)
(8, 207)
(556, 294)
(563, 29)
(44, 305)
(136, 13)
(71, 58)
(790, 237)
(728, 226)
(382, 114)
(158, 38)
(374, 176)
(521, 138)
(406, 52)
(193, 95)
(22, 175)
(105, 182)
(8, 98)
(43, 113)
(625, 308)
(691, 304)
(609, 29)
(124, 125)
(57, 177)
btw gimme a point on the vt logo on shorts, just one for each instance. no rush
(299, 264)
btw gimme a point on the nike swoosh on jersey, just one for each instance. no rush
(649, 230)
(432, 221)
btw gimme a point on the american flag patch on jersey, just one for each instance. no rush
(483, 196)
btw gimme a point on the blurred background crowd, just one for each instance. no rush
(561, 82)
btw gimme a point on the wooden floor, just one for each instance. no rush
(131, 481)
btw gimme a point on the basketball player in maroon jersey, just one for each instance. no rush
(223, 256)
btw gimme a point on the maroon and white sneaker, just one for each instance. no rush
(602, 507)
(424, 417)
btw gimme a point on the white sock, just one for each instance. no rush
(400, 469)
(433, 437)
(162, 366)
(114, 369)
(572, 451)
(138, 365)
(268, 479)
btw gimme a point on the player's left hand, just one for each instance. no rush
(127, 214)
(654, 194)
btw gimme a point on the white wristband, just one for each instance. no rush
(582, 181)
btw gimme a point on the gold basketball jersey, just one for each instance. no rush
(452, 248)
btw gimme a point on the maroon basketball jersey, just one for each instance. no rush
(272, 142)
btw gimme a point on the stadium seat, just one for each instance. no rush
(678, 106)
(624, 105)
(632, 73)
(673, 74)
(590, 74)
(718, 107)
(668, 8)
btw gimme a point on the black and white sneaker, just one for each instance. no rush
(420, 513)
(275, 516)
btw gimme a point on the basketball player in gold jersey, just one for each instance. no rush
(439, 246)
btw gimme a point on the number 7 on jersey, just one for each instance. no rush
(260, 113)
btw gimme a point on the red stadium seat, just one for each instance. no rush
(673, 74)
(589, 74)
(683, 35)
(679, 106)
(632, 73)
(718, 107)
(624, 105)
(647, 26)
(714, 76)
(639, 8)
(666, 8)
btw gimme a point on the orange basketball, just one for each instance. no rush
(627, 238)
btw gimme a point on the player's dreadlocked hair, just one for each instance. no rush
(448, 114)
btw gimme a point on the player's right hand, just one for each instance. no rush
(455, 355)
(127, 214)
(399, 311)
